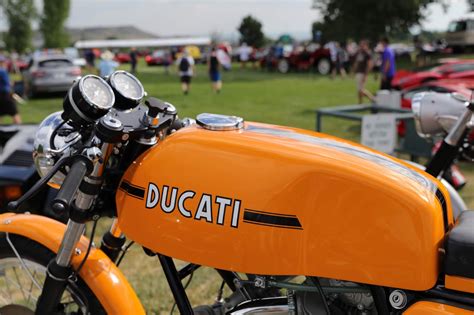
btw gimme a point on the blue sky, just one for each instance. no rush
(203, 17)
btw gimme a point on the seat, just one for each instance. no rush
(459, 246)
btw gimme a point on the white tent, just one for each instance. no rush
(155, 42)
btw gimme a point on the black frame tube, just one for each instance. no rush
(187, 270)
(174, 281)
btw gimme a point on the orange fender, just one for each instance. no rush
(101, 275)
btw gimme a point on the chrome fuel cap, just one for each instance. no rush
(219, 122)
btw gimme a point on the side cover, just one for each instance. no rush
(281, 201)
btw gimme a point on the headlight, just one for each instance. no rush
(48, 141)
(88, 99)
(127, 88)
(435, 113)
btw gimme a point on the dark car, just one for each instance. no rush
(51, 73)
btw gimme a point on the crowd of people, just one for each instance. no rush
(361, 60)
(351, 58)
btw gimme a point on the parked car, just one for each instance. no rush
(50, 73)
(21, 65)
(461, 86)
(458, 69)
(122, 57)
(313, 57)
(158, 58)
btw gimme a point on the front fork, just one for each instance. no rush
(59, 270)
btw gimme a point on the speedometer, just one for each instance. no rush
(88, 99)
(127, 88)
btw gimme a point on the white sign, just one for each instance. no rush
(388, 98)
(379, 132)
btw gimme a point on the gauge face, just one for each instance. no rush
(97, 92)
(127, 85)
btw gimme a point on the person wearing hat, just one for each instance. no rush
(7, 103)
(107, 65)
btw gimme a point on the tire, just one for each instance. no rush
(323, 66)
(283, 66)
(36, 257)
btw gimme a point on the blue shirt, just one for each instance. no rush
(107, 67)
(388, 56)
(4, 81)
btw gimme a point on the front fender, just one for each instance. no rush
(100, 274)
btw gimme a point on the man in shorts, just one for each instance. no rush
(186, 71)
(362, 67)
(213, 65)
(7, 103)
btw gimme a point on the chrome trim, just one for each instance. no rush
(217, 122)
(455, 134)
(68, 244)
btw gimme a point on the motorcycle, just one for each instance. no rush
(295, 222)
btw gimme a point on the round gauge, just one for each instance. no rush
(88, 99)
(128, 89)
(97, 92)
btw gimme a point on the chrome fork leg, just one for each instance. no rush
(71, 237)
(59, 270)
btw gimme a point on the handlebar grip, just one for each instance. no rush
(71, 184)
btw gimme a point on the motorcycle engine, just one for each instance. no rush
(296, 302)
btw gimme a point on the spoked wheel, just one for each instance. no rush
(22, 273)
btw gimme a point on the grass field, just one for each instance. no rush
(273, 98)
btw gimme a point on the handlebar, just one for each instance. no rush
(79, 169)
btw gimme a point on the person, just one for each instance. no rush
(331, 46)
(89, 56)
(133, 60)
(186, 71)
(244, 54)
(362, 67)
(388, 65)
(214, 73)
(107, 65)
(341, 58)
(7, 103)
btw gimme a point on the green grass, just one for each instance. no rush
(255, 95)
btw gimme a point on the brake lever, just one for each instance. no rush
(16, 204)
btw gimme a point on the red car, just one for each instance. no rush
(461, 86)
(457, 69)
(158, 58)
(300, 59)
(122, 57)
(20, 65)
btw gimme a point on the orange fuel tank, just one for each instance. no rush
(273, 200)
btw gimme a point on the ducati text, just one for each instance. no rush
(212, 209)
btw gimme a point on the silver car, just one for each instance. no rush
(53, 73)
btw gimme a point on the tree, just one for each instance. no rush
(19, 14)
(55, 13)
(251, 32)
(370, 19)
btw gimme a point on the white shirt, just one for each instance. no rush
(244, 53)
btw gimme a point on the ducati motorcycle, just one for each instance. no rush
(295, 222)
